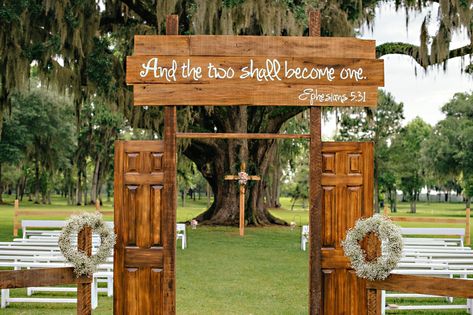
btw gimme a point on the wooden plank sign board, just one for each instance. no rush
(253, 70)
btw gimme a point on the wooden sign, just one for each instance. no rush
(250, 70)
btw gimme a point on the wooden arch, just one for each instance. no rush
(171, 69)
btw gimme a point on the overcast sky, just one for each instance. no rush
(423, 94)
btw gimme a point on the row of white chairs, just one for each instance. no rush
(39, 249)
(27, 255)
(423, 254)
(32, 228)
(438, 257)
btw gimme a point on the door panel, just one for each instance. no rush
(347, 195)
(140, 216)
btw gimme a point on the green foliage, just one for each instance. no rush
(15, 138)
(298, 187)
(406, 154)
(38, 140)
(379, 125)
(232, 3)
(100, 66)
(50, 124)
(448, 150)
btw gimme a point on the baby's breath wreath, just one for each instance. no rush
(387, 232)
(83, 264)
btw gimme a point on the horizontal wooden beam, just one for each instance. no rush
(263, 71)
(187, 135)
(234, 177)
(39, 277)
(230, 45)
(428, 220)
(264, 94)
(144, 179)
(425, 285)
(143, 146)
(144, 257)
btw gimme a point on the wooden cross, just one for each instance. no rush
(242, 194)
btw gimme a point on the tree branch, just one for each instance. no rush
(139, 8)
(413, 51)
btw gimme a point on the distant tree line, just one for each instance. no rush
(417, 155)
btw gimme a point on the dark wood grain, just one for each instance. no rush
(373, 70)
(84, 244)
(425, 285)
(222, 93)
(169, 194)
(118, 253)
(10, 279)
(262, 136)
(372, 246)
(153, 178)
(228, 45)
(315, 200)
(139, 257)
(344, 202)
(143, 146)
(139, 185)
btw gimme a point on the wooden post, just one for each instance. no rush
(15, 218)
(242, 202)
(169, 193)
(467, 228)
(315, 200)
(84, 302)
(242, 195)
(386, 209)
(97, 204)
(373, 250)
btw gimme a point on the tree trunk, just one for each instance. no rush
(393, 200)
(217, 158)
(413, 203)
(79, 188)
(1, 185)
(37, 183)
(95, 179)
(22, 187)
(84, 173)
(272, 188)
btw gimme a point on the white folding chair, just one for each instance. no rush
(181, 234)
(304, 237)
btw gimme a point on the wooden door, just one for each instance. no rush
(347, 195)
(144, 275)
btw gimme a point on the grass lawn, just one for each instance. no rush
(220, 273)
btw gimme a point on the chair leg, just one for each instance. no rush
(383, 302)
(3, 301)
(109, 286)
(94, 294)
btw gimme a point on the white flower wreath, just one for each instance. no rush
(83, 264)
(387, 232)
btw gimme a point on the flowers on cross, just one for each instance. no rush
(243, 178)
